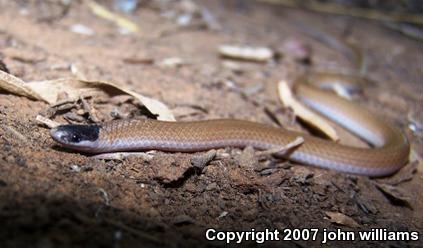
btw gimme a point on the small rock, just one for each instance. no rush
(248, 158)
(81, 29)
(172, 62)
(75, 168)
(341, 219)
(211, 186)
(223, 214)
(21, 161)
(184, 20)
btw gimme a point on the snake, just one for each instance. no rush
(388, 149)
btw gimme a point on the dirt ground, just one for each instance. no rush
(51, 197)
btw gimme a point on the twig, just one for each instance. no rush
(284, 149)
(65, 101)
(90, 110)
(123, 155)
(49, 123)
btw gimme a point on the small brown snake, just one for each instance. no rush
(389, 153)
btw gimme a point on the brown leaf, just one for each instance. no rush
(404, 175)
(50, 90)
(15, 85)
(394, 195)
(341, 219)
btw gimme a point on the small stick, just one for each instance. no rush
(284, 149)
(49, 123)
(90, 110)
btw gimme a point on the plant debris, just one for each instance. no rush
(256, 54)
(341, 219)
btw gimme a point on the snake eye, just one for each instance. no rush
(74, 134)
(75, 138)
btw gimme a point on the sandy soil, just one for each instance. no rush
(52, 197)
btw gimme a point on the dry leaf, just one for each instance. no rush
(258, 54)
(405, 174)
(394, 195)
(49, 91)
(15, 85)
(341, 219)
(304, 113)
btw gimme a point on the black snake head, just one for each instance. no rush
(78, 137)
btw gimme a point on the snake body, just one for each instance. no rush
(389, 153)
